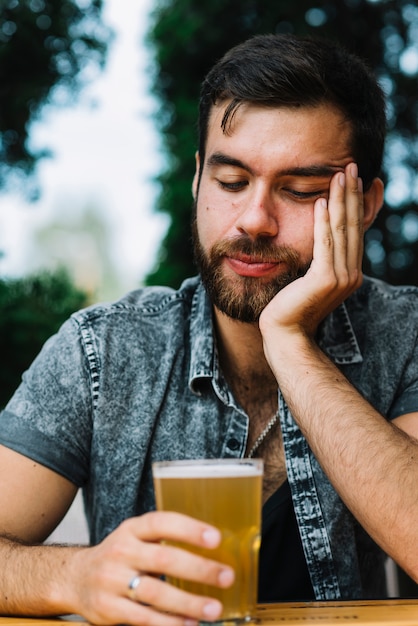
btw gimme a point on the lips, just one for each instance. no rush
(248, 266)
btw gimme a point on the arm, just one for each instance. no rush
(372, 463)
(93, 581)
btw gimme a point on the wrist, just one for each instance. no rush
(63, 595)
(289, 349)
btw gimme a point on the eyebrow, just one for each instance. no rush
(319, 171)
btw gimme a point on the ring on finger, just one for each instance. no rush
(133, 586)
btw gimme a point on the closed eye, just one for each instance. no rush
(306, 195)
(233, 185)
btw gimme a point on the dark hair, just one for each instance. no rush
(290, 71)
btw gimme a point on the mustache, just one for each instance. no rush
(261, 250)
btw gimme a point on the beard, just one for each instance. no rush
(243, 298)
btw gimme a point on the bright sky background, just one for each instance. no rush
(105, 156)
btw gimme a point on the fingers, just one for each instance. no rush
(151, 555)
(122, 575)
(157, 526)
(339, 230)
(355, 216)
(154, 592)
(118, 610)
(179, 563)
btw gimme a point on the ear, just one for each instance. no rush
(373, 201)
(195, 184)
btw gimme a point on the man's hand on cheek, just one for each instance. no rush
(335, 271)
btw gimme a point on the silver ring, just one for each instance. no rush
(133, 586)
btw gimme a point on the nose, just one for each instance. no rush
(258, 215)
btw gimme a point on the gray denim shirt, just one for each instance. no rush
(123, 385)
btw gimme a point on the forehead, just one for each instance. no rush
(302, 135)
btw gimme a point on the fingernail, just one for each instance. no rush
(353, 170)
(323, 203)
(341, 179)
(211, 537)
(190, 622)
(226, 577)
(212, 610)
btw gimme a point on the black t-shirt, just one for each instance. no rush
(283, 573)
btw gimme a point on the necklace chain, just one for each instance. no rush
(271, 423)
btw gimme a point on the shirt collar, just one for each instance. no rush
(202, 344)
(204, 362)
(336, 337)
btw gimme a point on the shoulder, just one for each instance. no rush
(385, 315)
(379, 295)
(143, 303)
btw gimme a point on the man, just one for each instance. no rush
(284, 352)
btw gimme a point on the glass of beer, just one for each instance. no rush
(225, 493)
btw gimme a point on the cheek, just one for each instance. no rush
(214, 221)
(296, 229)
(206, 225)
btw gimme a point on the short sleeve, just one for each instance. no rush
(49, 417)
(406, 400)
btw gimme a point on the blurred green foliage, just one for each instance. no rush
(31, 310)
(188, 36)
(44, 44)
(48, 50)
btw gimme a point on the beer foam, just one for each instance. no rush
(194, 469)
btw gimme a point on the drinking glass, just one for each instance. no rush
(225, 493)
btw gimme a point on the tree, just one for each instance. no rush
(188, 36)
(44, 44)
(48, 50)
(31, 310)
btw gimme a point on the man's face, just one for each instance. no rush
(253, 229)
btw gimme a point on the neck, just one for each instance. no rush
(240, 348)
(254, 386)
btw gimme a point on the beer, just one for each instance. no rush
(225, 493)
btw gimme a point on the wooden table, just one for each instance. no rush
(371, 613)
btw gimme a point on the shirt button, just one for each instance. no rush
(233, 444)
